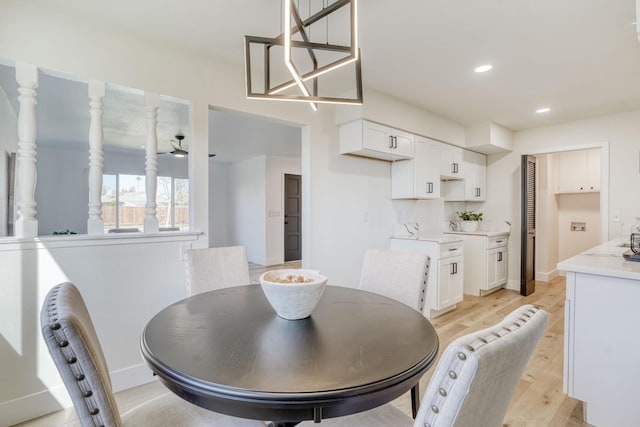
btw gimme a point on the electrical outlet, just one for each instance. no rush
(615, 216)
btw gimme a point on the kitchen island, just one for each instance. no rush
(602, 334)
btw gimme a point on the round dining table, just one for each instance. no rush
(227, 351)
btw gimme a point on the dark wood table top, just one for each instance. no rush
(228, 351)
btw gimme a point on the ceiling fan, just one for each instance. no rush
(178, 151)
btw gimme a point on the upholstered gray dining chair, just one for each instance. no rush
(74, 346)
(214, 268)
(473, 382)
(398, 275)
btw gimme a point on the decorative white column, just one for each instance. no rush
(26, 222)
(151, 223)
(95, 224)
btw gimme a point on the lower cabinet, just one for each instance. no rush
(450, 282)
(446, 271)
(486, 262)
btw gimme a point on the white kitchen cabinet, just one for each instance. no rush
(486, 261)
(578, 171)
(475, 180)
(450, 282)
(368, 139)
(473, 187)
(451, 162)
(446, 271)
(418, 178)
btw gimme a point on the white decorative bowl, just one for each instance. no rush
(291, 300)
(470, 226)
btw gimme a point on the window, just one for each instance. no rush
(124, 198)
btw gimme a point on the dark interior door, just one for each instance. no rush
(292, 217)
(528, 226)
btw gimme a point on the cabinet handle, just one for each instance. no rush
(498, 241)
(429, 187)
(454, 268)
(395, 142)
(477, 191)
(581, 188)
(499, 256)
(390, 141)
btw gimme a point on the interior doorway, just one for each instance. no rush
(292, 217)
(246, 182)
(570, 206)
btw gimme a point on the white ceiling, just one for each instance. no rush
(579, 57)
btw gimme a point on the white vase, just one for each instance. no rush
(469, 226)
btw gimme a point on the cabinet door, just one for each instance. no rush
(571, 171)
(450, 282)
(457, 280)
(376, 137)
(492, 266)
(497, 262)
(402, 145)
(593, 169)
(432, 169)
(426, 168)
(475, 176)
(501, 266)
(451, 162)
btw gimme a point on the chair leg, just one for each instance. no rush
(415, 399)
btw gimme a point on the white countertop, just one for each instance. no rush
(604, 260)
(480, 233)
(438, 238)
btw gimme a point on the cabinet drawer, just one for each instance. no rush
(497, 242)
(450, 249)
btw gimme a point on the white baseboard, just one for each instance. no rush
(513, 284)
(54, 399)
(130, 377)
(548, 276)
(34, 405)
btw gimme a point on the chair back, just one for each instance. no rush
(72, 341)
(398, 275)
(478, 373)
(214, 268)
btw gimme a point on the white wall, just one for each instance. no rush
(620, 131)
(256, 214)
(546, 219)
(346, 199)
(221, 220)
(579, 208)
(247, 189)
(8, 144)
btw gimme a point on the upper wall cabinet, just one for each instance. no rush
(368, 139)
(473, 187)
(418, 178)
(475, 182)
(451, 162)
(579, 171)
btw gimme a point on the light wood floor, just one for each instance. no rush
(538, 400)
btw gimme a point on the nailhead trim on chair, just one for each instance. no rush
(68, 353)
(457, 362)
(423, 291)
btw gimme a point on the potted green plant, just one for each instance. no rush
(470, 220)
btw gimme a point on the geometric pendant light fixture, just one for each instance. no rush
(316, 53)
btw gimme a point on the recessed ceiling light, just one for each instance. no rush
(483, 68)
(543, 110)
